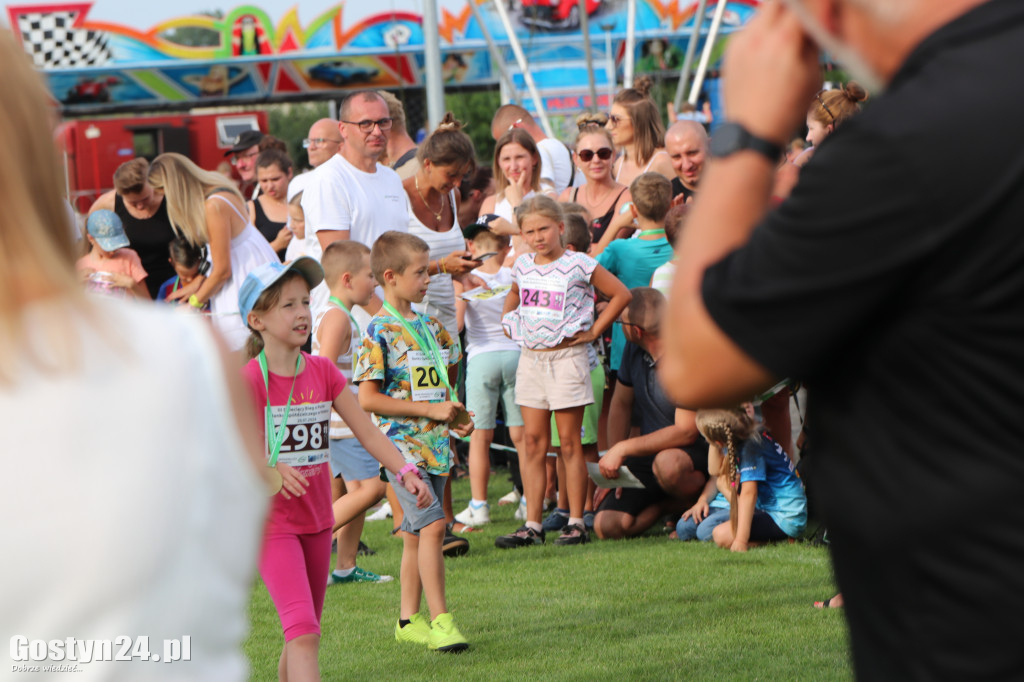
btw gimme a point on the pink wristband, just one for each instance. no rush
(406, 469)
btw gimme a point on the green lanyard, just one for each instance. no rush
(351, 318)
(430, 347)
(275, 438)
(651, 233)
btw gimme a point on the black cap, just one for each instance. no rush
(250, 138)
(482, 223)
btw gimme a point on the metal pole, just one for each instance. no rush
(432, 64)
(585, 28)
(627, 77)
(517, 49)
(609, 60)
(709, 46)
(496, 56)
(691, 51)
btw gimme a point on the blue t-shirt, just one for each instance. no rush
(633, 261)
(780, 492)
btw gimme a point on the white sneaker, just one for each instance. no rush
(383, 513)
(520, 514)
(511, 498)
(475, 517)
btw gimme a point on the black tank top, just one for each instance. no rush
(267, 227)
(149, 237)
(598, 227)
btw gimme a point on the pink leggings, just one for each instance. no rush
(284, 559)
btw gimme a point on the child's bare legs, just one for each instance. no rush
(300, 660)
(569, 423)
(423, 571)
(396, 509)
(552, 478)
(480, 462)
(446, 501)
(589, 455)
(349, 511)
(536, 423)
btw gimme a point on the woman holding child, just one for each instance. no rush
(207, 210)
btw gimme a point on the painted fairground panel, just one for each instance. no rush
(111, 54)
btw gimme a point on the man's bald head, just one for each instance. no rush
(324, 141)
(687, 145)
(510, 115)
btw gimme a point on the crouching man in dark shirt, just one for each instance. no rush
(668, 456)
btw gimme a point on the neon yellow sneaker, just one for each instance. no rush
(416, 632)
(444, 636)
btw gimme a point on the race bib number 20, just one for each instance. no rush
(306, 435)
(424, 379)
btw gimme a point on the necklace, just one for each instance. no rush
(437, 214)
(590, 199)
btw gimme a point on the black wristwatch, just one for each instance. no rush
(730, 138)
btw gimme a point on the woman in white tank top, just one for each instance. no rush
(445, 157)
(136, 505)
(517, 173)
(207, 210)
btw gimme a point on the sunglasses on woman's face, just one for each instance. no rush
(604, 153)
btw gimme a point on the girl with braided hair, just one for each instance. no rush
(754, 486)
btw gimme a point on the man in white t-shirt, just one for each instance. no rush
(557, 170)
(351, 195)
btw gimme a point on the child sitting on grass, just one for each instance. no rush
(404, 368)
(111, 268)
(766, 499)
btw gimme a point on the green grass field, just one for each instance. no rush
(644, 609)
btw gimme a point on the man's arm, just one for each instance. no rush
(327, 237)
(704, 367)
(105, 201)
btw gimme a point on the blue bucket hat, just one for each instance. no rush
(257, 281)
(106, 228)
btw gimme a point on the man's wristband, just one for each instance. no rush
(409, 467)
(194, 301)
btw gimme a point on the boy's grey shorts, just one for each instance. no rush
(415, 518)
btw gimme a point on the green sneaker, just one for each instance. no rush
(416, 632)
(359, 575)
(444, 636)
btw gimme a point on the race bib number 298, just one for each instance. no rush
(306, 435)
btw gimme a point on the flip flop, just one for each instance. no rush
(827, 604)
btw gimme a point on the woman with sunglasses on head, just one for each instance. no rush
(638, 132)
(601, 195)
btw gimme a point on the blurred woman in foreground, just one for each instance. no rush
(119, 520)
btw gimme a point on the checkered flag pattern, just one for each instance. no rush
(55, 43)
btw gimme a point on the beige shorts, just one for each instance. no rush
(555, 379)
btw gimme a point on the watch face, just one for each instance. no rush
(729, 138)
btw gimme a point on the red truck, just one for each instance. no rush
(94, 148)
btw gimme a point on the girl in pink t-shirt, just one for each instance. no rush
(296, 392)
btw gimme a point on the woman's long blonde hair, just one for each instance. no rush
(732, 427)
(186, 187)
(37, 249)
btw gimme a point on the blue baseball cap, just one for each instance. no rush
(106, 228)
(257, 281)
